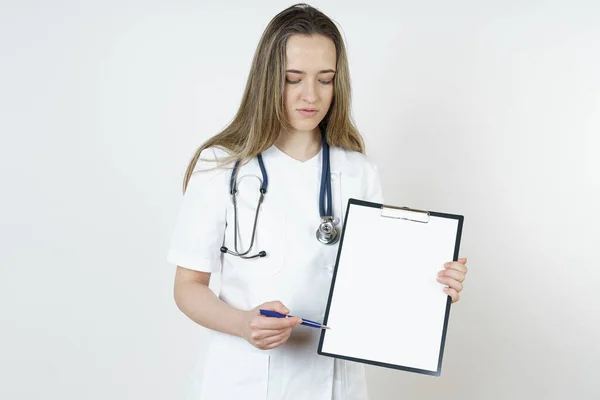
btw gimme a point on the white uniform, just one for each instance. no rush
(297, 271)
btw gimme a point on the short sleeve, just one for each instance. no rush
(374, 191)
(201, 220)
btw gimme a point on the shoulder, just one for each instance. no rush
(213, 159)
(351, 162)
(210, 170)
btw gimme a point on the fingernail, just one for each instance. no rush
(286, 309)
(440, 273)
(446, 265)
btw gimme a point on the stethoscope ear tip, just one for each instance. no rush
(223, 249)
(262, 254)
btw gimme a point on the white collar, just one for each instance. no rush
(339, 158)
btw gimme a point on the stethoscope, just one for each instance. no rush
(327, 233)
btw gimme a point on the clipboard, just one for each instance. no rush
(385, 306)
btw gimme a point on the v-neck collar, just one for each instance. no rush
(311, 162)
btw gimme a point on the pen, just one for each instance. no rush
(312, 324)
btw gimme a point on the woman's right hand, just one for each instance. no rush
(267, 332)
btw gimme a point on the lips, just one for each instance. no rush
(308, 109)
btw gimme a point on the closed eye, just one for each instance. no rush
(298, 81)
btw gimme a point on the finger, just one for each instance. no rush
(264, 341)
(454, 274)
(281, 337)
(270, 323)
(264, 334)
(452, 293)
(276, 306)
(462, 260)
(277, 343)
(454, 284)
(456, 265)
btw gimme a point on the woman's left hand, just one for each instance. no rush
(453, 276)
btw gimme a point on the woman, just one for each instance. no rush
(297, 93)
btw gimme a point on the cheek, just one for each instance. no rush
(288, 99)
(327, 95)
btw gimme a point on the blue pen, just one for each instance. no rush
(312, 324)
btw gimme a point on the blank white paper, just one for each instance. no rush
(386, 305)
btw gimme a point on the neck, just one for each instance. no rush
(301, 146)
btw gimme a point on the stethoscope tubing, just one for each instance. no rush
(324, 204)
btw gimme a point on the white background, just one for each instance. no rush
(486, 109)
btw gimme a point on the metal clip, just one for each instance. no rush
(405, 213)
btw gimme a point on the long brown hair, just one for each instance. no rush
(261, 115)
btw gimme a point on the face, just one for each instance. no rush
(308, 90)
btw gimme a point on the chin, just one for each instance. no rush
(306, 125)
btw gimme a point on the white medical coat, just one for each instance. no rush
(297, 271)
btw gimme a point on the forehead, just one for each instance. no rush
(310, 53)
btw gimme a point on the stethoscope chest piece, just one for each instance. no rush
(327, 232)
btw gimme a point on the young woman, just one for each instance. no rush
(293, 124)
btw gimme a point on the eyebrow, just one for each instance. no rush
(295, 71)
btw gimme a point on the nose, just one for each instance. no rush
(310, 93)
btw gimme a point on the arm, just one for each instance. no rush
(195, 244)
(195, 299)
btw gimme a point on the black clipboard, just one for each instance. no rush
(364, 333)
